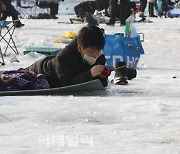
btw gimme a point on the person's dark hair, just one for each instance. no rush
(91, 36)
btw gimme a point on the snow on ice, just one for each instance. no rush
(142, 117)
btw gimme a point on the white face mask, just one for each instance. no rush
(90, 60)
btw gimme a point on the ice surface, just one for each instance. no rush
(142, 117)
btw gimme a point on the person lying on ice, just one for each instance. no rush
(80, 61)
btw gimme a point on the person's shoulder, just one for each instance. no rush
(69, 49)
(72, 45)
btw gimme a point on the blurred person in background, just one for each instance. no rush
(53, 5)
(7, 9)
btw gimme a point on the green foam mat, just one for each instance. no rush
(42, 50)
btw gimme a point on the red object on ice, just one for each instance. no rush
(106, 72)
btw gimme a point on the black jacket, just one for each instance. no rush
(67, 67)
(102, 4)
(82, 8)
(10, 10)
(6, 2)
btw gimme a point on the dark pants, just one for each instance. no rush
(53, 8)
(123, 10)
(113, 11)
(143, 4)
(131, 7)
(52, 5)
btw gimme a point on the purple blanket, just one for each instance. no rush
(21, 80)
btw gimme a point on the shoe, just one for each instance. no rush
(141, 14)
(123, 23)
(160, 14)
(54, 17)
(152, 15)
(142, 20)
(19, 24)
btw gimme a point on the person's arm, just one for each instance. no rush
(66, 74)
(70, 73)
(101, 61)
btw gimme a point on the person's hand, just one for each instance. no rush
(97, 70)
(3, 7)
(107, 71)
